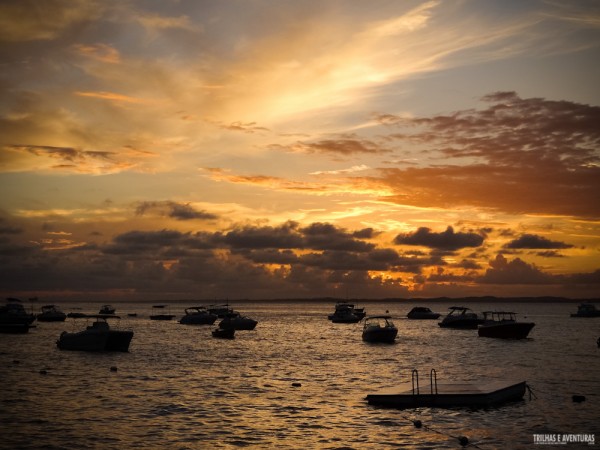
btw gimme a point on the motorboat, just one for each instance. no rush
(96, 337)
(14, 318)
(107, 309)
(422, 313)
(236, 321)
(504, 325)
(379, 329)
(161, 316)
(220, 310)
(586, 310)
(461, 317)
(51, 313)
(224, 333)
(198, 315)
(343, 310)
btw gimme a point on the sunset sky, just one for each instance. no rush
(287, 149)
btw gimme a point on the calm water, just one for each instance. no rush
(180, 388)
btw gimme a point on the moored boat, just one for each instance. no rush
(379, 329)
(51, 313)
(586, 310)
(14, 318)
(236, 321)
(224, 333)
(107, 309)
(503, 325)
(422, 313)
(161, 315)
(96, 337)
(198, 315)
(461, 317)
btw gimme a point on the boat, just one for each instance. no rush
(220, 310)
(379, 329)
(422, 313)
(51, 313)
(107, 309)
(161, 316)
(96, 337)
(224, 333)
(448, 395)
(461, 317)
(13, 317)
(345, 310)
(198, 315)
(503, 325)
(236, 321)
(586, 310)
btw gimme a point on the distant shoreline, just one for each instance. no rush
(457, 300)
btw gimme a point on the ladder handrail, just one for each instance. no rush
(415, 375)
(432, 379)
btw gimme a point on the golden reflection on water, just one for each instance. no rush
(297, 381)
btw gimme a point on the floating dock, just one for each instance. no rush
(448, 395)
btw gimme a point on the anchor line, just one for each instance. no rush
(463, 440)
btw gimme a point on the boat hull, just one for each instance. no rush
(383, 335)
(198, 319)
(517, 330)
(96, 341)
(449, 395)
(463, 324)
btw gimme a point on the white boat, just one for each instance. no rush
(96, 337)
(422, 313)
(51, 313)
(461, 317)
(198, 315)
(379, 329)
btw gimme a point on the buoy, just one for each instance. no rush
(113, 369)
(296, 384)
(417, 423)
(578, 398)
(43, 372)
(463, 440)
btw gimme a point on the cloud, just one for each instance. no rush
(517, 271)
(534, 241)
(342, 146)
(359, 168)
(175, 210)
(100, 52)
(445, 240)
(545, 154)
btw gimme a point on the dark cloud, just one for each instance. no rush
(517, 271)
(175, 210)
(534, 241)
(446, 240)
(344, 146)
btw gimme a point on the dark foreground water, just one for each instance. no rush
(180, 388)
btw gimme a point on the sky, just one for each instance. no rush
(262, 149)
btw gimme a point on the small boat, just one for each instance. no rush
(422, 313)
(379, 329)
(236, 321)
(161, 316)
(461, 317)
(13, 317)
(107, 309)
(586, 310)
(51, 313)
(448, 395)
(224, 333)
(347, 313)
(503, 325)
(96, 337)
(198, 315)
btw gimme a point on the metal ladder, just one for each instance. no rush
(432, 381)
